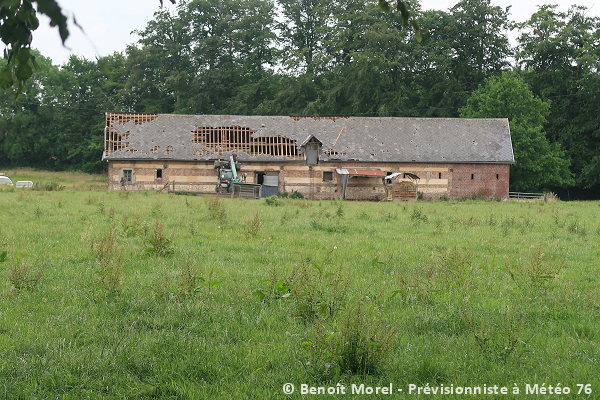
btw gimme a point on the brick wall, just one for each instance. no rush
(489, 180)
(452, 180)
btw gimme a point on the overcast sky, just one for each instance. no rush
(108, 24)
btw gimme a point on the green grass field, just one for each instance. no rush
(141, 295)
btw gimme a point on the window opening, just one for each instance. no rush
(159, 174)
(128, 175)
(327, 175)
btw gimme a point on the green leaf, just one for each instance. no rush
(280, 286)
(385, 6)
(23, 71)
(404, 13)
(23, 56)
(104, 67)
(260, 295)
(6, 79)
(3, 255)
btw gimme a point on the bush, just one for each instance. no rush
(273, 201)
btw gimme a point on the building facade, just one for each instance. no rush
(453, 158)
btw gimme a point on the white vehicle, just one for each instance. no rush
(5, 180)
(24, 184)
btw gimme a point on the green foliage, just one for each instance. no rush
(558, 57)
(538, 164)
(17, 23)
(296, 195)
(273, 201)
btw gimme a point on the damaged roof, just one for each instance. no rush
(370, 139)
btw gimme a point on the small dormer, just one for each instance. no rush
(312, 148)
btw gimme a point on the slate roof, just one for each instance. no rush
(374, 139)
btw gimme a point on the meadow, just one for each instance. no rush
(143, 295)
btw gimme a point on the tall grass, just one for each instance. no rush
(246, 297)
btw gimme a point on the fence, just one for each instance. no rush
(526, 196)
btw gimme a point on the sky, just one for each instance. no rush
(108, 24)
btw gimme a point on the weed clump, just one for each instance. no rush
(131, 227)
(357, 343)
(191, 281)
(23, 277)
(418, 215)
(539, 273)
(498, 336)
(48, 186)
(158, 243)
(252, 226)
(108, 261)
(216, 209)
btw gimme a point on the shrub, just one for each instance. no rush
(296, 195)
(273, 201)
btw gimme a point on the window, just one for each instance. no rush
(440, 175)
(128, 175)
(472, 176)
(460, 177)
(497, 176)
(159, 174)
(327, 176)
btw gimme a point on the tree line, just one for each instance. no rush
(319, 57)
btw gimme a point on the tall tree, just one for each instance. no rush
(460, 49)
(306, 25)
(538, 164)
(559, 55)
